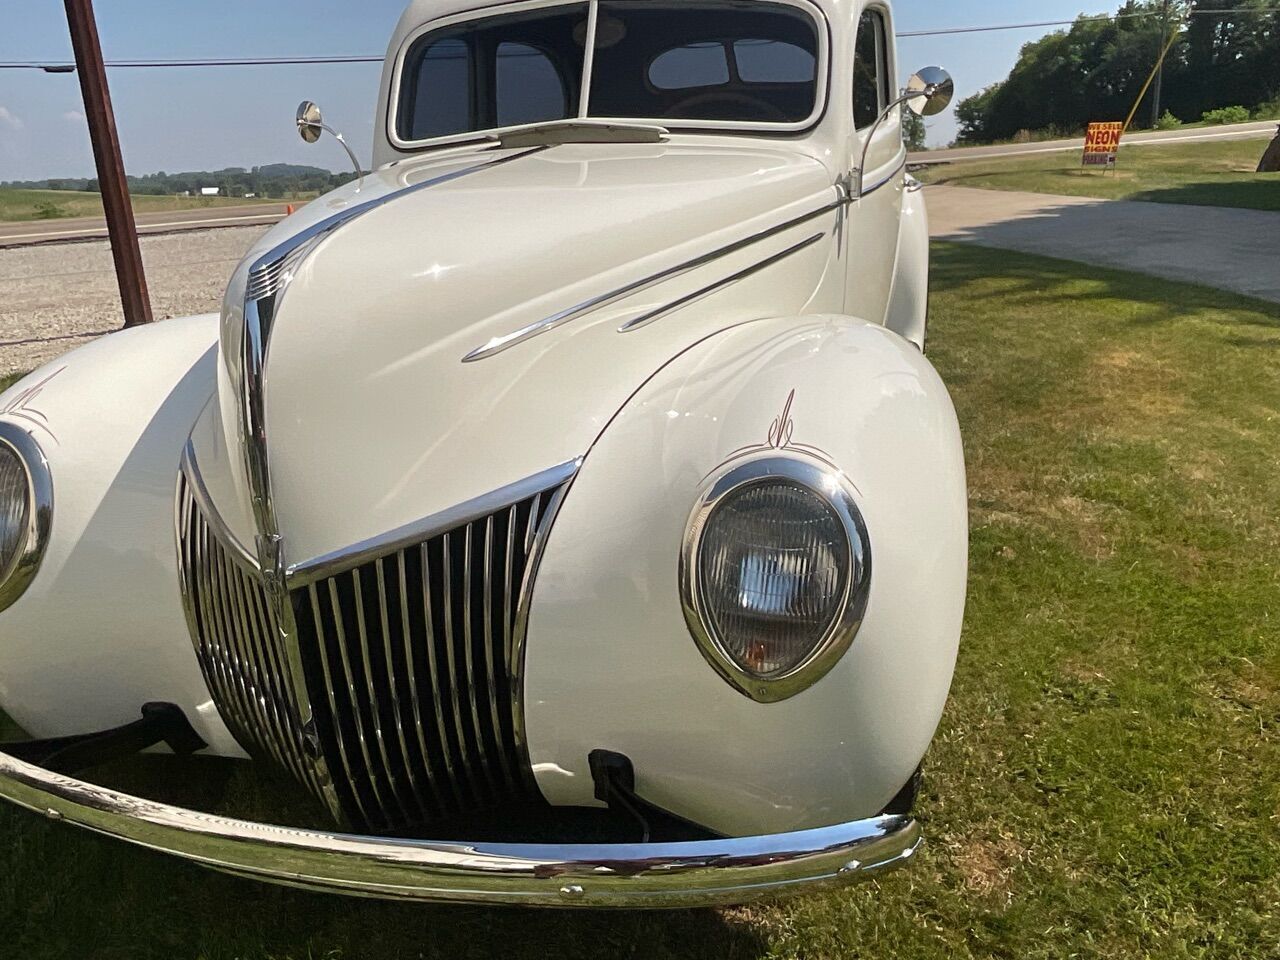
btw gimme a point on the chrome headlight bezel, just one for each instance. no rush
(831, 486)
(21, 569)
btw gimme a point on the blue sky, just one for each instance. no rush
(193, 119)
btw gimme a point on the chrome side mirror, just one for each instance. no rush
(930, 91)
(310, 122)
(311, 125)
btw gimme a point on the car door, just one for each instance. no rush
(875, 217)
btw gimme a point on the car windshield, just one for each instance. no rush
(684, 63)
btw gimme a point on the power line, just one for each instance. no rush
(1101, 17)
(65, 67)
(58, 67)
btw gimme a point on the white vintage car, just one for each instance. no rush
(573, 484)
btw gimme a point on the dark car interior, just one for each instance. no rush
(715, 60)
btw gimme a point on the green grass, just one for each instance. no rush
(1104, 783)
(57, 204)
(1215, 174)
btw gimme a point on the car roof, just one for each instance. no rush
(419, 12)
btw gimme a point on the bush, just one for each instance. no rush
(1268, 111)
(1227, 115)
(1168, 122)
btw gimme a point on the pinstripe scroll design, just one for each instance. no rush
(19, 408)
(781, 437)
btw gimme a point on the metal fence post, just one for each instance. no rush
(106, 154)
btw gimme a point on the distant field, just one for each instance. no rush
(57, 204)
(1208, 174)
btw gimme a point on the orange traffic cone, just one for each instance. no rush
(288, 210)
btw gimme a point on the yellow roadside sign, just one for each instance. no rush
(1102, 144)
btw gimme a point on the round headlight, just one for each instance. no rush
(775, 575)
(26, 508)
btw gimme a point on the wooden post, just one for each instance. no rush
(106, 155)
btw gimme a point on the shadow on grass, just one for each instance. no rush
(65, 892)
(1243, 194)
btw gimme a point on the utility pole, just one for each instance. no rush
(1159, 86)
(106, 154)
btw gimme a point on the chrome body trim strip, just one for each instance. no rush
(499, 344)
(331, 564)
(648, 318)
(25, 564)
(888, 179)
(637, 875)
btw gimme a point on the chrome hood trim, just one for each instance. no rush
(638, 875)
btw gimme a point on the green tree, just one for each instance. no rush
(913, 130)
(1096, 69)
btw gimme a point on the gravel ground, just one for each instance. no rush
(54, 298)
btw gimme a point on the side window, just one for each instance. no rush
(529, 86)
(870, 70)
(442, 97)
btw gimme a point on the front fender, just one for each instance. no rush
(610, 662)
(101, 631)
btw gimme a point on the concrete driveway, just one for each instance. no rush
(1233, 250)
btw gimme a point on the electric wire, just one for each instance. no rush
(55, 66)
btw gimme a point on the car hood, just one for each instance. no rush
(372, 419)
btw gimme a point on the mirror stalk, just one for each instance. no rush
(311, 125)
(928, 93)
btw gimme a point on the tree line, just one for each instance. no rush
(1095, 70)
(275, 180)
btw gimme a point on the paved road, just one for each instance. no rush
(94, 228)
(1228, 249)
(1263, 130)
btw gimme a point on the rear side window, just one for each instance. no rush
(492, 72)
(870, 70)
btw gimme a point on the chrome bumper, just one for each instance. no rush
(657, 875)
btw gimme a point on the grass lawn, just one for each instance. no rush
(56, 204)
(1216, 174)
(1104, 783)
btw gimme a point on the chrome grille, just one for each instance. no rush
(238, 642)
(410, 658)
(416, 660)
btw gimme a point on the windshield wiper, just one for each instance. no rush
(583, 131)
